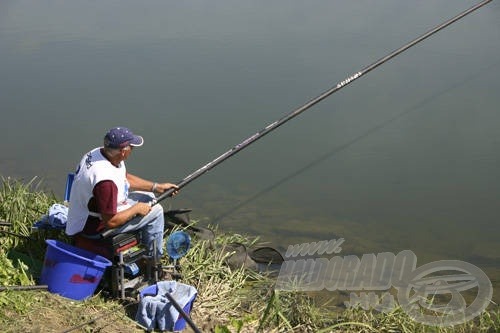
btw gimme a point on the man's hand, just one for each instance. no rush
(142, 208)
(162, 187)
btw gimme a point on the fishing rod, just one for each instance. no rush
(272, 126)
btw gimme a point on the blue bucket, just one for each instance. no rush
(70, 271)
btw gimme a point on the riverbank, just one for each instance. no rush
(229, 299)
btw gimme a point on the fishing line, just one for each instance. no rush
(343, 147)
(272, 126)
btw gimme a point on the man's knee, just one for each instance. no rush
(157, 210)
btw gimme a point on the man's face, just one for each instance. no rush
(126, 151)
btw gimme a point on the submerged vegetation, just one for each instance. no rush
(229, 299)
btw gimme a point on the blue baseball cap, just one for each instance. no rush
(121, 137)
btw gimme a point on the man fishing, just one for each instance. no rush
(100, 198)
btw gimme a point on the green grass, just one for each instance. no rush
(229, 299)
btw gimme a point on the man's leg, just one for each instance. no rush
(151, 225)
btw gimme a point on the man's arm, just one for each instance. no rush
(115, 220)
(139, 184)
(105, 194)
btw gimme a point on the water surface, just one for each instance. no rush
(404, 158)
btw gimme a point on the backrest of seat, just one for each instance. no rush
(69, 183)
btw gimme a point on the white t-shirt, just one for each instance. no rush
(93, 168)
